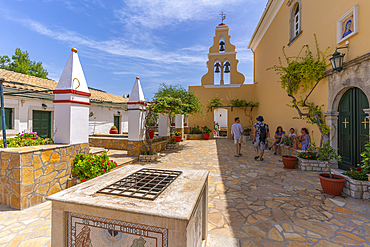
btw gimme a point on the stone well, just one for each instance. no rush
(177, 217)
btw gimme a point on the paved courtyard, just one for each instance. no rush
(259, 203)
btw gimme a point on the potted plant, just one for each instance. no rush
(206, 132)
(289, 161)
(185, 124)
(173, 124)
(178, 136)
(113, 130)
(151, 124)
(332, 184)
(247, 133)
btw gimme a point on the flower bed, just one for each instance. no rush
(91, 166)
(355, 188)
(27, 139)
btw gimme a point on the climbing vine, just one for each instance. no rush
(247, 106)
(215, 102)
(300, 75)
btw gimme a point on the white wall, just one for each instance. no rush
(23, 107)
(103, 119)
(220, 116)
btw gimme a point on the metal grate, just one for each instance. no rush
(144, 184)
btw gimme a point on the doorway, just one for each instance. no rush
(220, 117)
(117, 123)
(353, 127)
(41, 123)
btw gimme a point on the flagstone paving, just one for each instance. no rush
(259, 203)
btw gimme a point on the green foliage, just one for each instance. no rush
(243, 103)
(207, 130)
(90, 166)
(196, 130)
(177, 133)
(299, 75)
(175, 100)
(149, 153)
(358, 173)
(22, 63)
(22, 141)
(91, 114)
(328, 153)
(286, 140)
(310, 153)
(216, 102)
(113, 127)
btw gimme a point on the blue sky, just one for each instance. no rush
(160, 41)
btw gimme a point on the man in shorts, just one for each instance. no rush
(236, 131)
(261, 132)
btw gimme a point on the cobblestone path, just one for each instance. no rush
(260, 203)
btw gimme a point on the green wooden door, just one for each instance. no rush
(42, 123)
(353, 127)
(117, 124)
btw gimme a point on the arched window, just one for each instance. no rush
(295, 20)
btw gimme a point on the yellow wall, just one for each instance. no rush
(320, 18)
(246, 92)
(317, 17)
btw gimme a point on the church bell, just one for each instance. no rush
(222, 46)
(217, 65)
(227, 69)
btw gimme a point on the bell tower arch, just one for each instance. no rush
(222, 60)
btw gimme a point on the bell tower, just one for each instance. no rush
(222, 60)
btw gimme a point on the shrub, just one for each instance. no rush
(358, 173)
(20, 142)
(311, 152)
(196, 130)
(207, 130)
(90, 166)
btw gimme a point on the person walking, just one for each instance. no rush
(261, 132)
(236, 131)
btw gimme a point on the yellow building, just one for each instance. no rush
(224, 82)
(344, 95)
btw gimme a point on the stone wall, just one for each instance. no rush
(195, 136)
(135, 148)
(314, 165)
(355, 188)
(108, 142)
(30, 174)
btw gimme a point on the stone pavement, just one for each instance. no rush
(258, 203)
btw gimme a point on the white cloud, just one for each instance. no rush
(155, 14)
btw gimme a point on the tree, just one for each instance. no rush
(176, 100)
(303, 73)
(22, 63)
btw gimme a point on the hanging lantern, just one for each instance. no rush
(217, 65)
(222, 45)
(227, 69)
(337, 61)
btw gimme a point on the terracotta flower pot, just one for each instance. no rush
(205, 136)
(289, 162)
(332, 186)
(113, 131)
(151, 134)
(178, 138)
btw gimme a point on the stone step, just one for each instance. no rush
(96, 150)
(221, 241)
